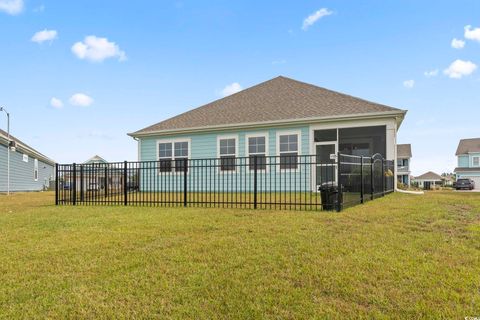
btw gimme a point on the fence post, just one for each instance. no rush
(362, 191)
(255, 182)
(74, 185)
(372, 187)
(56, 184)
(383, 177)
(105, 187)
(125, 191)
(81, 183)
(394, 178)
(338, 203)
(185, 184)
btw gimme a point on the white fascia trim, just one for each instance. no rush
(398, 115)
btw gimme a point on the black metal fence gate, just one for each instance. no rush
(270, 182)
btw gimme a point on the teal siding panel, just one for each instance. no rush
(204, 146)
(463, 161)
(22, 173)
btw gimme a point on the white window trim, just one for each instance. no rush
(223, 137)
(473, 165)
(35, 169)
(247, 152)
(172, 141)
(277, 146)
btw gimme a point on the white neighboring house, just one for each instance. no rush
(429, 180)
(404, 155)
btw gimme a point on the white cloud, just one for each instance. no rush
(44, 35)
(472, 34)
(431, 73)
(409, 83)
(457, 43)
(80, 100)
(460, 68)
(11, 7)
(56, 103)
(97, 49)
(231, 89)
(314, 17)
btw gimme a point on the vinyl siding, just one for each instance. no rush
(204, 146)
(22, 173)
(466, 160)
(463, 161)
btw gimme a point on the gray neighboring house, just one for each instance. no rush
(404, 155)
(29, 169)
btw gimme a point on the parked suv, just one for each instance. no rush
(465, 184)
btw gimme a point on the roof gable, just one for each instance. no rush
(468, 145)
(404, 150)
(430, 175)
(278, 99)
(95, 159)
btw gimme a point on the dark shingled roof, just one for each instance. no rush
(278, 99)
(404, 150)
(29, 150)
(468, 145)
(429, 176)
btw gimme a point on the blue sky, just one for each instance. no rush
(145, 61)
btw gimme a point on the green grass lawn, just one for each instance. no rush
(401, 256)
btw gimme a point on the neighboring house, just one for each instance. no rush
(280, 117)
(96, 159)
(429, 180)
(468, 154)
(404, 155)
(29, 169)
(448, 179)
(90, 175)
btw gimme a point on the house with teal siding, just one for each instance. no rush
(30, 170)
(468, 160)
(404, 157)
(280, 120)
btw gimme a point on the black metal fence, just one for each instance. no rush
(270, 182)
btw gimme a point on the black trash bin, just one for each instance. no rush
(331, 196)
